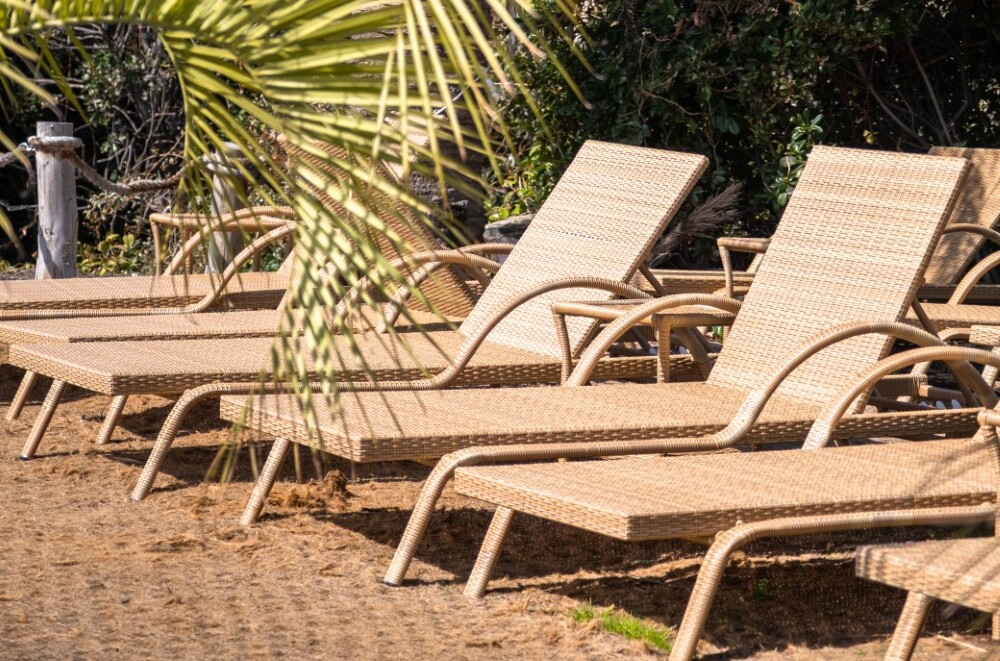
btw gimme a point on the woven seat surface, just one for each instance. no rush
(401, 425)
(700, 495)
(247, 290)
(961, 571)
(123, 368)
(236, 323)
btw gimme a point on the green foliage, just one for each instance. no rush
(625, 625)
(112, 254)
(752, 84)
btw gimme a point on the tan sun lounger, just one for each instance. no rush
(731, 499)
(591, 235)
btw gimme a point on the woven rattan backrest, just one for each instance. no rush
(600, 221)
(857, 232)
(446, 289)
(978, 203)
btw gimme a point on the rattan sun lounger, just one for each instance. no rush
(820, 299)
(960, 571)
(975, 215)
(730, 499)
(590, 236)
(26, 299)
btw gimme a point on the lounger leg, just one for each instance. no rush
(266, 481)
(419, 519)
(111, 419)
(43, 419)
(21, 396)
(489, 553)
(911, 621)
(167, 435)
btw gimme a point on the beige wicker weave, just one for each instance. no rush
(976, 213)
(827, 283)
(960, 571)
(591, 235)
(731, 499)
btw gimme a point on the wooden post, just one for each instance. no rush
(227, 186)
(57, 215)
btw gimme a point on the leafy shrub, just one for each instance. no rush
(752, 84)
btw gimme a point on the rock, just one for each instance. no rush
(508, 230)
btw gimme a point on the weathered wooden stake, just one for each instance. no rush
(227, 184)
(57, 214)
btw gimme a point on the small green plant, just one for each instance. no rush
(113, 254)
(625, 625)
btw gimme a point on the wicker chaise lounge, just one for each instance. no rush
(591, 235)
(731, 499)
(971, 225)
(26, 299)
(960, 571)
(828, 284)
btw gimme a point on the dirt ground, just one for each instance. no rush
(87, 574)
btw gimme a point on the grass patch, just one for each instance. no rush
(625, 625)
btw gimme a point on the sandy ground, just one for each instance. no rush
(87, 574)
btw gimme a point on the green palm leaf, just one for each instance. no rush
(361, 76)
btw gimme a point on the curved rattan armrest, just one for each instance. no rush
(248, 213)
(614, 330)
(428, 260)
(826, 423)
(743, 244)
(473, 342)
(729, 244)
(222, 224)
(986, 232)
(978, 270)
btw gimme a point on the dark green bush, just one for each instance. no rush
(753, 83)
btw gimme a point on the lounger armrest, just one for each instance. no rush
(729, 244)
(973, 276)
(422, 265)
(743, 244)
(614, 330)
(229, 222)
(989, 234)
(826, 423)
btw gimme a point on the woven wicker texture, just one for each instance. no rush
(698, 496)
(256, 290)
(824, 266)
(445, 290)
(963, 571)
(978, 203)
(166, 366)
(601, 220)
(431, 424)
(827, 265)
(205, 325)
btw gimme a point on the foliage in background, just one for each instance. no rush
(752, 84)
(112, 254)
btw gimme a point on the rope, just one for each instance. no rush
(65, 147)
